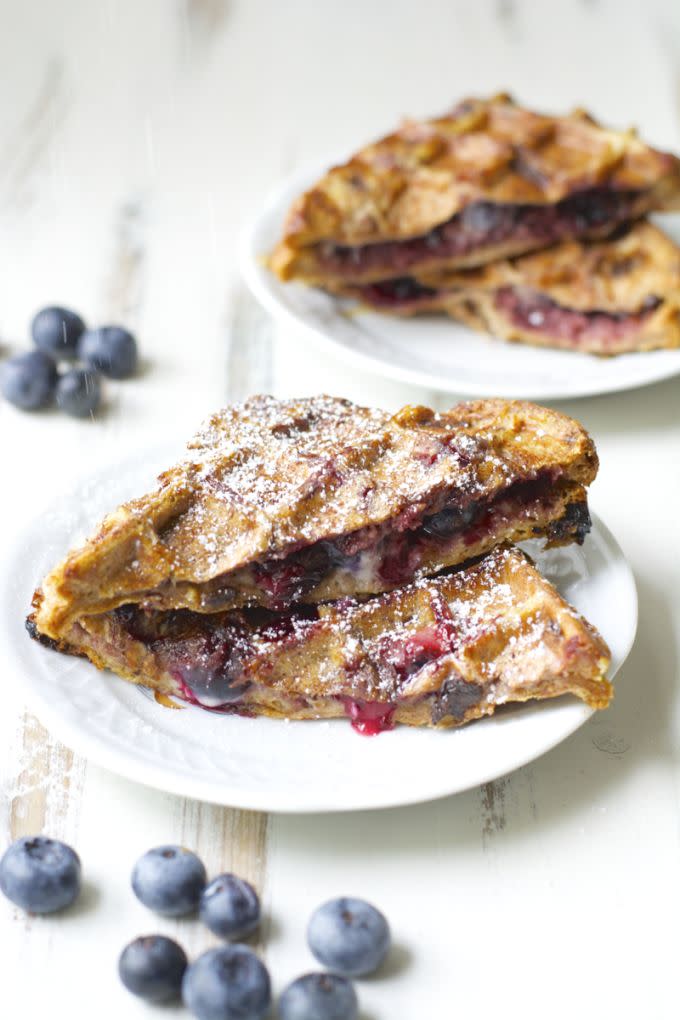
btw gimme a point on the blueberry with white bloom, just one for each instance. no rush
(111, 350)
(152, 967)
(79, 392)
(169, 880)
(228, 983)
(230, 907)
(319, 997)
(349, 936)
(28, 380)
(40, 874)
(56, 331)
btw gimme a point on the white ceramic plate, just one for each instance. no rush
(267, 764)
(430, 351)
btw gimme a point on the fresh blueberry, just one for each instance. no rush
(230, 907)
(319, 997)
(28, 380)
(110, 349)
(169, 880)
(39, 874)
(56, 331)
(349, 936)
(228, 983)
(79, 392)
(152, 967)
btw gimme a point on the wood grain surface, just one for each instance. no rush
(137, 139)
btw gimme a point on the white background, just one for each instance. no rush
(136, 138)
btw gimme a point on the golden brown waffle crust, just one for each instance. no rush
(419, 177)
(267, 476)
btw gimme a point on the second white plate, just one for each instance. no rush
(266, 764)
(430, 351)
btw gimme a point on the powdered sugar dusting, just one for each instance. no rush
(266, 479)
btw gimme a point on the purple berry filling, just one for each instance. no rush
(485, 224)
(536, 313)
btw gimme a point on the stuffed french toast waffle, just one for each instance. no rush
(488, 181)
(281, 502)
(298, 563)
(439, 652)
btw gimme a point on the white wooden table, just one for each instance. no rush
(136, 138)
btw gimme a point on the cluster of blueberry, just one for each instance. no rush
(348, 936)
(34, 380)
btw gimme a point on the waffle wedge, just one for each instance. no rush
(440, 652)
(488, 181)
(279, 502)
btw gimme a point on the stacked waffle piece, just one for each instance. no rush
(311, 558)
(527, 226)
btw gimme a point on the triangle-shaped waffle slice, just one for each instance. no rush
(600, 297)
(439, 652)
(279, 502)
(487, 181)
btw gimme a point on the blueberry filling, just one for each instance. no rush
(208, 654)
(455, 698)
(284, 581)
(537, 313)
(483, 224)
(409, 655)
(392, 555)
(289, 580)
(211, 655)
(447, 521)
(205, 656)
(213, 677)
(399, 291)
(378, 558)
(575, 521)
